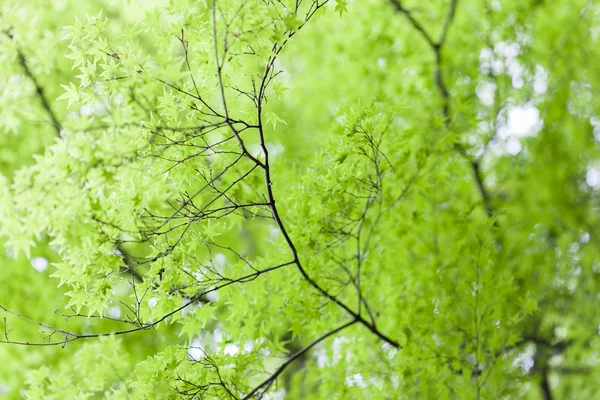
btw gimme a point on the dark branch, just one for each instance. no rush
(276, 216)
(38, 88)
(267, 382)
(71, 336)
(545, 385)
(475, 166)
(436, 48)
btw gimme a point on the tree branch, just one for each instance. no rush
(72, 336)
(271, 197)
(400, 8)
(436, 48)
(282, 228)
(545, 385)
(475, 166)
(267, 382)
(38, 88)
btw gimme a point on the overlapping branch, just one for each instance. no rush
(141, 326)
(436, 47)
(39, 90)
(264, 386)
(214, 200)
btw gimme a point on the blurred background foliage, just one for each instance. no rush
(484, 179)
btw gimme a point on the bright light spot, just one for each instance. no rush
(540, 80)
(508, 50)
(391, 351)
(218, 336)
(248, 346)
(525, 359)
(40, 264)
(114, 312)
(485, 91)
(274, 233)
(556, 360)
(152, 302)
(198, 275)
(184, 303)
(277, 395)
(231, 349)
(195, 351)
(513, 124)
(515, 70)
(355, 380)
(341, 119)
(485, 60)
(219, 261)
(560, 332)
(503, 59)
(337, 348)
(595, 122)
(527, 364)
(321, 357)
(497, 67)
(521, 121)
(485, 54)
(265, 352)
(97, 108)
(382, 62)
(585, 238)
(256, 150)
(573, 248)
(513, 146)
(212, 296)
(592, 178)
(275, 149)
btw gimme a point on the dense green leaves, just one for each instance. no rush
(262, 199)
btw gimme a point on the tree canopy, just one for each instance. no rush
(321, 199)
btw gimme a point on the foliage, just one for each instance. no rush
(299, 199)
